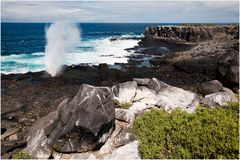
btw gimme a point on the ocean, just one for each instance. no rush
(23, 45)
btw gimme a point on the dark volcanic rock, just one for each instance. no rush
(3, 130)
(233, 30)
(151, 30)
(81, 125)
(228, 68)
(174, 38)
(205, 65)
(211, 87)
(233, 74)
(11, 145)
(109, 74)
(186, 33)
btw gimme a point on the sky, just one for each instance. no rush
(121, 11)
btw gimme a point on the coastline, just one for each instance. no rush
(33, 95)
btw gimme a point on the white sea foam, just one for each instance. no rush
(102, 51)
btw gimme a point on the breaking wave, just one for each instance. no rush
(92, 51)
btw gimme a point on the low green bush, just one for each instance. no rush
(207, 133)
(21, 155)
(125, 105)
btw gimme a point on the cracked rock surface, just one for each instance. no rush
(81, 125)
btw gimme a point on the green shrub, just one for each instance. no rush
(125, 105)
(21, 155)
(207, 133)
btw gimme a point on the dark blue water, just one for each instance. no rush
(19, 38)
(23, 44)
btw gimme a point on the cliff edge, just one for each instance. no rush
(188, 33)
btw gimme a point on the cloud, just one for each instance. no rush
(43, 12)
(230, 6)
(124, 11)
(171, 12)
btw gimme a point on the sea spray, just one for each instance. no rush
(62, 37)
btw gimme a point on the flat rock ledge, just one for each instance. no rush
(91, 127)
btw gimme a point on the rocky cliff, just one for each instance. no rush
(188, 33)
